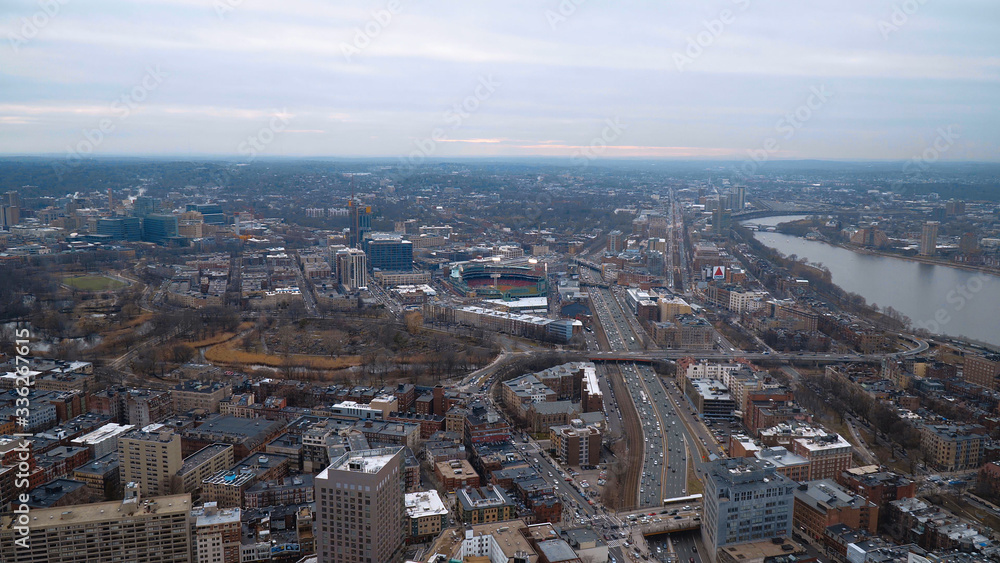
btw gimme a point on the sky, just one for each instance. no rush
(419, 79)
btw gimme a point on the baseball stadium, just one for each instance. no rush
(498, 281)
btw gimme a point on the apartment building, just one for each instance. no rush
(360, 507)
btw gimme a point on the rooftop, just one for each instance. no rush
(825, 494)
(107, 511)
(105, 432)
(424, 503)
(364, 461)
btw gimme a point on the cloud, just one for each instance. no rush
(229, 71)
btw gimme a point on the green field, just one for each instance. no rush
(92, 283)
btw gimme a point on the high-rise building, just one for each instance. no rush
(216, 534)
(740, 200)
(134, 529)
(159, 227)
(13, 199)
(352, 267)
(388, 251)
(211, 213)
(721, 219)
(10, 215)
(360, 507)
(361, 222)
(746, 500)
(928, 238)
(120, 228)
(150, 457)
(144, 205)
(616, 241)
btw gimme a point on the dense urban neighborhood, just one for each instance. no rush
(361, 361)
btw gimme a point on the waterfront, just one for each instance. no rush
(944, 300)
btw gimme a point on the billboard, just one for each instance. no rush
(719, 273)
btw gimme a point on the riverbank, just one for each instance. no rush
(942, 298)
(921, 259)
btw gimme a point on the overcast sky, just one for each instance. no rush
(867, 79)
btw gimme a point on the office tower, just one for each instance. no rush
(216, 534)
(741, 198)
(746, 500)
(361, 221)
(150, 457)
(928, 238)
(616, 241)
(388, 251)
(352, 267)
(211, 213)
(120, 228)
(13, 199)
(9, 216)
(144, 205)
(132, 530)
(360, 507)
(159, 227)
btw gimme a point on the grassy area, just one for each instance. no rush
(225, 354)
(694, 485)
(218, 338)
(92, 283)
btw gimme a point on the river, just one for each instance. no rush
(944, 300)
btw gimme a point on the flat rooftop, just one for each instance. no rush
(424, 503)
(364, 461)
(107, 511)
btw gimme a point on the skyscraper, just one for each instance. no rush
(740, 198)
(928, 239)
(746, 500)
(721, 218)
(361, 222)
(158, 227)
(616, 241)
(360, 507)
(9, 216)
(388, 251)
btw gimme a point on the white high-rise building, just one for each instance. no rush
(352, 267)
